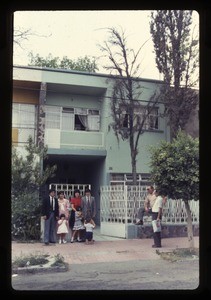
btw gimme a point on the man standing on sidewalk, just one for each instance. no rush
(88, 205)
(50, 213)
(157, 210)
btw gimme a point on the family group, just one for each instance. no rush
(73, 216)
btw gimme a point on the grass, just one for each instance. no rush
(30, 260)
(37, 260)
(179, 254)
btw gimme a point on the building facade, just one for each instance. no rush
(70, 112)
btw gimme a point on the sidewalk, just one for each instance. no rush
(104, 249)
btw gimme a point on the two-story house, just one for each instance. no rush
(70, 112)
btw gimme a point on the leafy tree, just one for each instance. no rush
(130, 114)
(177, 58)
(175, 170)
(81, 64)
(25, 186)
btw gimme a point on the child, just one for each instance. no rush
(89, 225)
(78, 225)
(62, 229)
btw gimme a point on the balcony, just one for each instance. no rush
(61, 139)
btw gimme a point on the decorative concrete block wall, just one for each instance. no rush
(168, 231)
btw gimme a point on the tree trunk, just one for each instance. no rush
(133, 160)
(189, 225)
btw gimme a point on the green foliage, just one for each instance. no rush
(176, 50)
(30, 260)
(26, 212)
(175, 167)
(58, 261)
(177, 58)
(81, 64)
(179, 253)
(27, 178)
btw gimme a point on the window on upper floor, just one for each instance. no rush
(52, 117)
(66, 118)
(23, 115)
(151, 122)
(24, 118)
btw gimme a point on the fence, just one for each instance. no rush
(69, 189)
(119, 206)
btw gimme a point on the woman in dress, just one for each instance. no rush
(78, 225)
(75, 202)
(64, 205)
(64, 208)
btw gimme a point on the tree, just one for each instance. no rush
(175, 170)
(177, 59)
(131, 116)
(27, 178)
(20, 35)
(81, 64)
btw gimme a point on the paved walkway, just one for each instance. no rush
(105, 249)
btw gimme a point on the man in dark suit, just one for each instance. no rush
(50, 213)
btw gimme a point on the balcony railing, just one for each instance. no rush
(55, 138)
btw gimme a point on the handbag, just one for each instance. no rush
(156, 225)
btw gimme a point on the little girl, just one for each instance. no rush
(78, 225)
(62, 229)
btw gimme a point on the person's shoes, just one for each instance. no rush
(139, 222)
(60, 241)
(154, 246)
(64, 242)
(46, 244)
(72, 240)
(79, 240)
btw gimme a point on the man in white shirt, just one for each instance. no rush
(157, 215)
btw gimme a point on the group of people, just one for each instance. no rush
(76, 215)
(153, 205)
(63, 216)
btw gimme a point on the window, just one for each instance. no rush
(52, 116)
(126, 121)
(93, 119)
(23, 122)
(67, 118)
(23, 115)
(83, 119)
(151, 121)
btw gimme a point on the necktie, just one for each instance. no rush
(52, 203)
